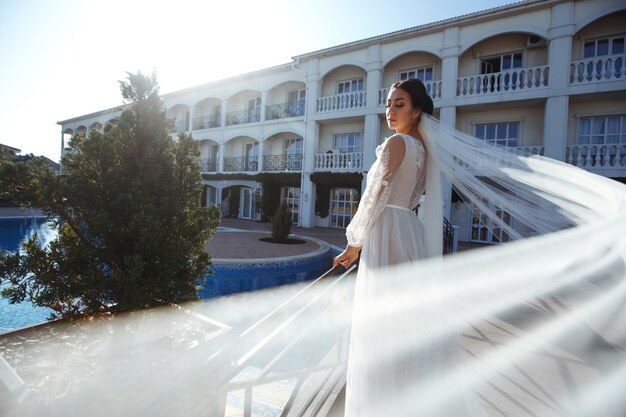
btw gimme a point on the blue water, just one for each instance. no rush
(14, 232)
(226, 279)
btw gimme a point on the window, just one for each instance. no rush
(291, 197)
(292, 153)
(347, 142)
(293, 146)
(501, 63)
(423, 74)
(343, 205)
(604, 47)
(295, 102)
(254, 110)
(251, 157)
(350, 86)
(602, 130)
(500, 134)
(296, 95)
(485, 230)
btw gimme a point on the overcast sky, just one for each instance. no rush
(63, 58)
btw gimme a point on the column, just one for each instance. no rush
(449, 64)
(311, 140)
(220, 157)
(261, 153)
(559, 60)
(263, 104)
(447, 116)
(371, 132)
(191, 113)
(223, 115)
(61, 169)
(555, 127)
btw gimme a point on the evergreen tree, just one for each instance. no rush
(132, 229)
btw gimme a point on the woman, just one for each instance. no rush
(387, 232)
(384, 228)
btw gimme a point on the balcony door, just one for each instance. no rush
(246, 203)
(251, 156)
(254, 109)
(502, 67)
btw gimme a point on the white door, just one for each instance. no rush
(246, 203)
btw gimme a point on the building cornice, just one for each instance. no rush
(463, 20)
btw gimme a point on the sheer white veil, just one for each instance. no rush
(558, 290)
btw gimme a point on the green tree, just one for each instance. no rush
(132, 229)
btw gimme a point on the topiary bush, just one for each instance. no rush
(281, 224)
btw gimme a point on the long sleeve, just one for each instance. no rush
(379, 185)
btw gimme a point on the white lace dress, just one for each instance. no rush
(390, 233)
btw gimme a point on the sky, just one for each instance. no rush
(61, 59)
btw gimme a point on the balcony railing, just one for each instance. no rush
(181, 126)
(352, 161)
(520, 79)
(527, 150)
(208, 165)
(206, 122)
(598, 69)
(282, 162)
(241, 163)
(597, 157)
(243, 116)
(347, 101)
(284, 110)
(433, 89)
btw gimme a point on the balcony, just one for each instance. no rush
(206, 122)
(284, 110)
(347, 101)
(338, 162)
(181, 126)
(608, 160)
(528, 150)
(282, 162)
(593, 70)
(243, 116)
(433, 89)
(520, 79)
(241, 164)
(208, 165)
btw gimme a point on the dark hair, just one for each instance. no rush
(417, 91)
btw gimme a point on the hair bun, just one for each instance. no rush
(417, 91)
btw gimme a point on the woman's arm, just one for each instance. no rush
(374, 198)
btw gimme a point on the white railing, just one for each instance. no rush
(519, 79)
(347, 101)
(592, 70)
(352, 161)
(433, 89)
(596, 157)
(528, 150)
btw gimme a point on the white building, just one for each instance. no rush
(542, 76)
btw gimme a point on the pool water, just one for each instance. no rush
(226, 279)
(14, 232)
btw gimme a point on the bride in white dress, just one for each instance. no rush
(386, 232)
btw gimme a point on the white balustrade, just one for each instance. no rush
(347, 101)
(592, 70)
(527, 150)
(433, 89)
(352, 161)
(593, 157)
(519, 79)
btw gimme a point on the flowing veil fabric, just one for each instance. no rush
(561, 281)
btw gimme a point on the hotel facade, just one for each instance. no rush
(544, 77)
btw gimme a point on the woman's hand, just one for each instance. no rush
(347, 257)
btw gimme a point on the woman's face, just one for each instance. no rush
(401, 116)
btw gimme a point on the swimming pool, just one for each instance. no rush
(228, 278)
